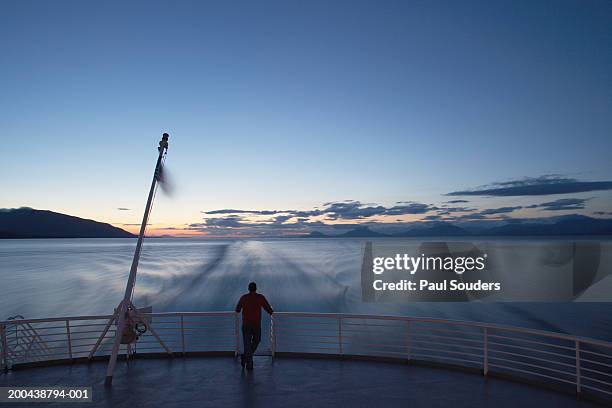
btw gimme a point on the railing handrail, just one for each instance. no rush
(517, 329)
(108, 316)
(482, 325)
(54, 319)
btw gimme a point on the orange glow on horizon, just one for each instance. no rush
(177, 231)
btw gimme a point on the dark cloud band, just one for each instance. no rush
(535, 186)
(562, 204)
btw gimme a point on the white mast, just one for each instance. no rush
(122, 310)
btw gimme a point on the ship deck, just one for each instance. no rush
(280, 382)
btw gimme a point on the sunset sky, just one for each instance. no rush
(289, 116)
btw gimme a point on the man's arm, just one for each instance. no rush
(266, 305)
(239, 306)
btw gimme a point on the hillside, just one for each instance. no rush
(31, 223)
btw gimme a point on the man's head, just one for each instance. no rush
(252, 287)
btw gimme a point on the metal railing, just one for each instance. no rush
(20, 339)
(569, 362)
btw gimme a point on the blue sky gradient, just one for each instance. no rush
(290, 105)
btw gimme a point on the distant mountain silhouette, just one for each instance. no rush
(564, 225)
(438, 229)
(361, 232)
(30, 223)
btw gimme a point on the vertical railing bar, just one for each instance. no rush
(236, 334)
(408, 340)
(578, 374)
(272, 336)
(341, 349)
(183, 335)
(69, 338)
(485, 363)
(4, 347)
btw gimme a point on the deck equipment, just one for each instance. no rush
(128, 318)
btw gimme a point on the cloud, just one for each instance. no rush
(124, 209)
(345, 210)
(474, 214)
(250, 222)
(339, 216)
(279, 219)
(534, 186)
(354, 214)
(445, 210)
(562, 204)
(469, 217)
(231, 221)
(356, 210)
(351, 210)
(237, 225)
(502, 210)
(410, 208)
(230, 211)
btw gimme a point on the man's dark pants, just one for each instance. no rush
(251, 335)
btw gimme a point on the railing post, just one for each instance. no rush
(578, 382)
(69, 338)
(4, 347)
(485, 363)
(408, 341)
(272, 336)
(183, 335)
(340, 348)
(236, 334)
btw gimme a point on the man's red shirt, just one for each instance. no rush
(251, 305)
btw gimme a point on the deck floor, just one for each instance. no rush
(285, 382)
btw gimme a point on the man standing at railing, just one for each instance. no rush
(251, 305)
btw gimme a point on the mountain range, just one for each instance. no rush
(556, 226)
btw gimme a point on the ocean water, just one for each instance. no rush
(61, 277)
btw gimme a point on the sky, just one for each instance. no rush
(298, 115)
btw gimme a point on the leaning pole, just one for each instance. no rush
(122, 309)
